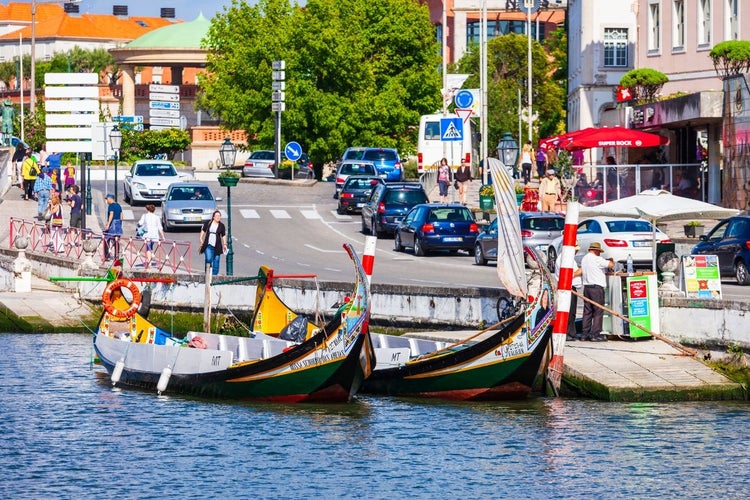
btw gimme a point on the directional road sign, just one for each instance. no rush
(463, 99)
(163, 105)
(451, 129)
(293, 150)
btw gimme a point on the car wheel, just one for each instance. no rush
(479, 256)
(551, 258)
(741, 274)
(126, 195)
(364, 227)
(340, 210)
(165, 225)
(418, 249)
(397, 246)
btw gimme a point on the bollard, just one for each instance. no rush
(21, 267)
(88, 267)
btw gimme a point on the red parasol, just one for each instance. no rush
(613, 137)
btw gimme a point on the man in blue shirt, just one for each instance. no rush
(42, 190)
(112, 228)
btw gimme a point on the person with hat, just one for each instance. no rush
(549, 191)
(112, 228)
(593, 266)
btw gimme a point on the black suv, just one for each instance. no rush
(388, 205)
(730, 241)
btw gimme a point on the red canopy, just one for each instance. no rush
(612, 137)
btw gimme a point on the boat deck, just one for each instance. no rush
(644, 370)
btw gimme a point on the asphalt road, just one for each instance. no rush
(296, 230)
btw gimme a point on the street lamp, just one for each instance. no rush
(507, 151)
(228, 153)
(115, 140)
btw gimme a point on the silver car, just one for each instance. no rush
(538, 229)
(147, 180)
(187, 204)
(259, 164)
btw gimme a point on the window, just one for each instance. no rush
(654, 26)
(732, 20)
(678, 24)
(704, 22)
(497, 28)
(615, 47)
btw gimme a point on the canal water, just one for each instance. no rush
(68, 434)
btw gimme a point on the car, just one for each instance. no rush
(538, 230)
(619, 237)
(355, 192)
(148, 180)
(428, 227)
(304, 168)
(352, 167)
(388, 204)
(187, 204)
(386, 161)
(259, 164)
(351, 154)
(729, 240)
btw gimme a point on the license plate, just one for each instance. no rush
(453, 239)
(360, 205)
(192, 218)
(159, 191)
(643, 243)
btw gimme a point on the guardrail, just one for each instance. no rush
(67, 242)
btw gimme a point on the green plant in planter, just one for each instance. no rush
(694, 223)
(520, 189)
(226, 173)
(487, 191)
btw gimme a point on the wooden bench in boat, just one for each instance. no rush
(244, 348)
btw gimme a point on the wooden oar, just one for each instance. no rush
(686, 350)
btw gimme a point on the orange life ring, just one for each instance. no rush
(116, 285)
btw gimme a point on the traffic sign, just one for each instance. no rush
(278, 96)
(463, 99)
(169, 89)
(451, 129)
(164, 113)
(464, 114)
(158, 96)
(278, 106)
(163, 105)
(128, 118)
(170, 122)
(293, 150)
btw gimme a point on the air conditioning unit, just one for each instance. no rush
(167, 12)
(71, 8)
(120, 10)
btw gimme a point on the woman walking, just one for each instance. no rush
(213, 242)
(153, 232)
(444, 178)
(463, 178)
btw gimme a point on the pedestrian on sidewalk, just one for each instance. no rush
(541, 162)
(42, 192)
(76, 206)
(549, 191)
(70, 175)
(594, 280)
(29, 173)
(463, 179)
(213, 242)
(57, 234)
(112, 229)
(444, 179)
(527, 153)
(152, 231)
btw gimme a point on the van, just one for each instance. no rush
(430, 149)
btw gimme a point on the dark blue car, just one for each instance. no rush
(388, 204)
(430, 227)
(730, 242)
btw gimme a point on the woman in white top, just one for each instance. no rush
(152, 231)
(527, 154)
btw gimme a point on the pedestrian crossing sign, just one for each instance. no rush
(451, 129)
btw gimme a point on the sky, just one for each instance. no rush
(185, 10)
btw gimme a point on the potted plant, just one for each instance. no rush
(486, 197)
(520, 193)
(228, 178)
(693, 229)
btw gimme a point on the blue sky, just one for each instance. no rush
(186, 10)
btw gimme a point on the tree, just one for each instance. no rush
(358, 73)
(644, 83)
(731, 57)
(149, 143)
(507, 74)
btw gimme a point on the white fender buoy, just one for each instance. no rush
(117, 372)
(166, 373)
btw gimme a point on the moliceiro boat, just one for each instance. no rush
(296, 364)
(499, 363)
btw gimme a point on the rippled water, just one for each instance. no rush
(68, 434)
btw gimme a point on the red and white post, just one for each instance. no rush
(564, 283)
(368, 258)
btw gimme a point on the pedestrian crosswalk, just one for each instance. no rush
(292, 213)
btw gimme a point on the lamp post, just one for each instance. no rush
(115, 140)
(228, 153)
(507, 151)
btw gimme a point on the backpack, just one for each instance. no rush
(33, 172)
(142, 227)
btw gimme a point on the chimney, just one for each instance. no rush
(167, 12)
(120, 10)
(71, 8)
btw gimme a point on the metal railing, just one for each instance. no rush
(67, 242)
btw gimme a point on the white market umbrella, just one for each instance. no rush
(657, 205)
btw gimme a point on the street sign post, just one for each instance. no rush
(451, 129)
(293, 150)
(164, 106)
(463, 99)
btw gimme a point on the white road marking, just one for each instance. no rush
(280, 214)
(311, 247)
(341, 216)
(250, 214)
(311, 214)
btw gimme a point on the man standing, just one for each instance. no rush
(76, 205)
(113, 228)
(549, 191)
(594, 283)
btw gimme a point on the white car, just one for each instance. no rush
(148, 180)
(259, 164)
(619, 237)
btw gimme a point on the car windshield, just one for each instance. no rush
(263, 155)
(543, 223)
(356, 168)
(155, 170)
(405, 197)
(380, 155)
(629, 226)
(190, 193)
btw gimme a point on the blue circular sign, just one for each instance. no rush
(293, 150)
(464, 99)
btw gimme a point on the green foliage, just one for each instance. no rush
(507, 73)
(731, 57)
(694, 223)
(149, 143)
(357, 72)
(645, 83)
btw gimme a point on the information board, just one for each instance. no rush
(701, 278)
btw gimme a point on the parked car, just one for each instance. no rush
(259, 164)
(388, 204)
(355, 192)
(619, 237)
(729, 240)
(187, 204)
(538, 230)
(351, 154)
(430, 227)
(386, 161)
(348, 168)
(148, 180)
